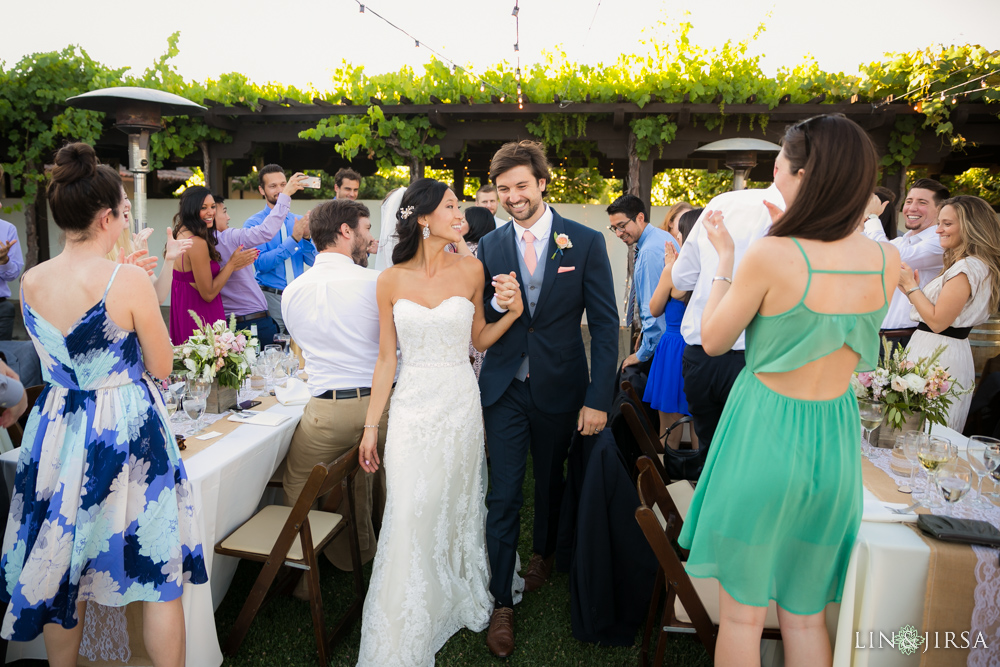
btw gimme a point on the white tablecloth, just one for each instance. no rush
(228, 479)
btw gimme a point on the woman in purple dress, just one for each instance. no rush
(199, 278)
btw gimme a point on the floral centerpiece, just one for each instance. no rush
(907, 388)
(218, 353)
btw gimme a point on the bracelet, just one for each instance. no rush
(912, 290)
(371, 425)
(728, 280)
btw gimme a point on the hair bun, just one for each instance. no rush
(74, 162)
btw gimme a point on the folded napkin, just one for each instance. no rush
(877, 511)
(259, 418)
(293, 392)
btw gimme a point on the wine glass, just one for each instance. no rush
(198, 386)
(953, 479)
(871, 412)
(975, 453)
(934, 453)
(171, 402)
(283, 340)
(194, 408)
(991, 457)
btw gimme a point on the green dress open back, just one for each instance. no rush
(778, 506)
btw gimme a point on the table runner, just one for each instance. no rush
(224, 427)
(958, 586)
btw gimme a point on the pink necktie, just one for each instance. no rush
(530, 261)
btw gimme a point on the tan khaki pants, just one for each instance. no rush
(330, 427)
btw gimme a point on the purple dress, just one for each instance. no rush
(184, 297)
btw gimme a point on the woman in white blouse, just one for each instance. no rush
(965, 294)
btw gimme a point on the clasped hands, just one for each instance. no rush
(508, 292)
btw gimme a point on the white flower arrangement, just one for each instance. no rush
(217, 352)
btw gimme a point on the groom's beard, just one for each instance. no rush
(529, 211)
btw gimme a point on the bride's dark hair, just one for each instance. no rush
(421, 198)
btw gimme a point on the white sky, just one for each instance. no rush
(300, 42)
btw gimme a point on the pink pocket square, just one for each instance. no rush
(566, 269)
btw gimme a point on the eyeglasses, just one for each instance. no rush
(620, 227)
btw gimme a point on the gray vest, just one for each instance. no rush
(533, 289)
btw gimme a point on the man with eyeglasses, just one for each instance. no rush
(629, 217)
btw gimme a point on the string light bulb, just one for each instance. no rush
(361, 9)
(515, 11)
(482, 87)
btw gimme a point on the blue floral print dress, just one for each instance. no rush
(102, 508)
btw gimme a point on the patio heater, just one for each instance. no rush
(137, 114)
(741, 156)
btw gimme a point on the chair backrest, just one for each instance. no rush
(644, 438)
(633, 396)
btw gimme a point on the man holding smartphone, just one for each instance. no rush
(285, 257)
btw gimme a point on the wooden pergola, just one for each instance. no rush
(270, 131)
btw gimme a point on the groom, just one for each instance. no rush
(534, 382)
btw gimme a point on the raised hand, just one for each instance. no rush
(670, 255)
(242, 258)
(773, 211)
(908, 277)
(138, 258)
(5, 247)
(718, 235)
(140, 238)
(175, 247)
(300, 229)
(295, 184)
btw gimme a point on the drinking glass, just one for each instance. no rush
(198, 387)
(953, 479)
(991, 457)
(911, 446)
(177, 386)
(871, 416)
(194, 408)
(934, 453)
(975, 453)
(171, 402)
(899, 452)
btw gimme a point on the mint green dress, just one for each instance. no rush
(778, 506)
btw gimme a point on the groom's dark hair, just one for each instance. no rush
(525, 153)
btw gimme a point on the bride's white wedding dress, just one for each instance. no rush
(431, 574)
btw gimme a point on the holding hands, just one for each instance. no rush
(508, 292)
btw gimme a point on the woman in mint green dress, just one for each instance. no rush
(777, 510)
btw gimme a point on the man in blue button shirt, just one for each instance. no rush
(283, 258)
(629, 217)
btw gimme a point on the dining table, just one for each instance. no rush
(229, 475)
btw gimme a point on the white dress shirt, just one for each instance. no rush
(500, 222)
(542, 229)
(747, 220)
(331, 313)
(923, 252)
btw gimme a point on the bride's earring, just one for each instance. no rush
(427, 232)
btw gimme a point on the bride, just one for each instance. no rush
(431, 574)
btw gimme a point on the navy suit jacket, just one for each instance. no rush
(552, 339)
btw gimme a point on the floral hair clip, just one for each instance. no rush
(405, 213)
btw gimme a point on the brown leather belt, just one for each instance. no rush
(897, 333)
(251, 316)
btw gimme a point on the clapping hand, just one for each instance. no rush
(718, 235)
(242, 258)
(138, 258)
(908, 278)
(5, 247)
(175, 247)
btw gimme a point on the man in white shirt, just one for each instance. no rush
(486, 196)
(708, 380)
(332, 315)
(918, 247)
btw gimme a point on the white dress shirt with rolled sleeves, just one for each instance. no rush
(921, 251)
(747, 220)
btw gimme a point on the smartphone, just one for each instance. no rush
(311, 182)
(245, 405)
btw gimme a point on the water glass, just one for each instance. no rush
(194, 408)
(198, 387)
(171, 402)
(991, 457)
(934, 453)
(899, 453)
(953, 480)
(911, 446)
(975, 454)
(871, 412)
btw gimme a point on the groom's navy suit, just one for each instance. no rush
(539, 412)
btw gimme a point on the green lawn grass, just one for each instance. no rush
(282, 633)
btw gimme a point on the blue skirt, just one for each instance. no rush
(665, 386)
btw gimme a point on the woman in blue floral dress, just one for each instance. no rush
(102, 509)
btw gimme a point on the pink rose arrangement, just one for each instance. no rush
(217, 352)
(906, 386)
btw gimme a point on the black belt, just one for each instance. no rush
(740, 352)
(958, 333)
(343, 394)
(251, 316)
(271, 290)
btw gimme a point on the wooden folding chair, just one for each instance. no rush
(291, 537)
(652, 421)
(692, 604)
(645, 436)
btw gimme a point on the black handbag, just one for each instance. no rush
(966, 531)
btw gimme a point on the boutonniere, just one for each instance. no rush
(562, 243)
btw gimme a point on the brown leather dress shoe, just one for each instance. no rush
(538, 572)
(500, 636)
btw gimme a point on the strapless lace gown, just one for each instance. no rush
(431, 574)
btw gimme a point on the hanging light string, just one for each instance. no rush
(455, 67)
(893, 98)
(944, 93)
(517, 52)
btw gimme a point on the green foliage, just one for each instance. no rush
(581, 185)
(903, 144)
(977, 181)
(695, 186)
